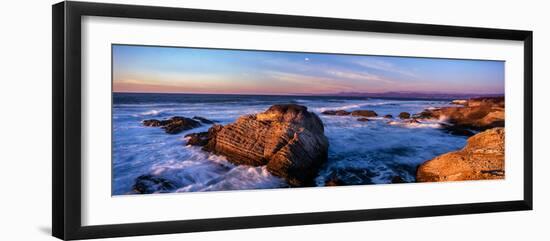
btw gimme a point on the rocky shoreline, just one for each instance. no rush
(477, 114)
(482, 158)
(290, 142)
(465, 119)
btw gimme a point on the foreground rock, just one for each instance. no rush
(481, 158)
(287, 138)
(476, 114)
(350, 176)
(146, 184)
(173, 125)
(364, 113)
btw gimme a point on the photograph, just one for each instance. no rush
(190, 119)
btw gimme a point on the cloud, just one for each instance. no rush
(354, 75)
(296, 82)
(385, 66)
(320, 70)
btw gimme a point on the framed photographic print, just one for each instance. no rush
(169, 120)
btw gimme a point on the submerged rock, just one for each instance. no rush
(287, 138)
(363, 119)
(350, 176)
(404, 115)
(365, 113)
(411, 121)
(397, 179)
(203, 120)
(153, 123)
(146, 184)
(335, 112)
(481, 158)
(458, 131)
(173, 125)
(388, 116)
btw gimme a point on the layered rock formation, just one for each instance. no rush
(287, 138)
(481, 158)
(173, 125)
(475, 114)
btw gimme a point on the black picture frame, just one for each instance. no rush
(66, 127)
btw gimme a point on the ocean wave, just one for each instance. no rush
(370, 103)
(342, 107)
(411, 124)
(202, 171)
(149, 113)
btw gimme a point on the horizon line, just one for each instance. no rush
(314, 94)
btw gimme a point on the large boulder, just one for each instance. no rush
(364, 113)
(287, 138)
(173, 125)
(481, 158)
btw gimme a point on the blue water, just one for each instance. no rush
(360, 152)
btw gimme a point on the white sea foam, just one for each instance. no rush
(150, 113)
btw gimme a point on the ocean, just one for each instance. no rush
(360, 153)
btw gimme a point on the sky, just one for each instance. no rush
(148, 69)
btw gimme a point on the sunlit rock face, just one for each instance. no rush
(481, 158)
(287, 138)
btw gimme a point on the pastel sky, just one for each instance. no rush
(193, 70)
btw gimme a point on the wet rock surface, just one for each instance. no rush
(146, 184)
